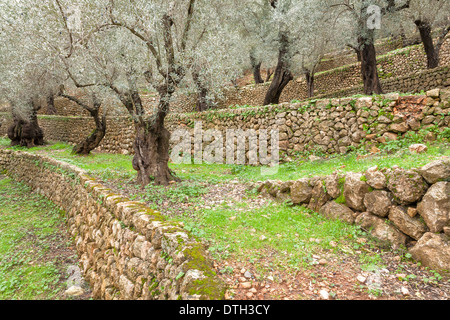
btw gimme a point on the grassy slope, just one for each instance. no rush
(235, 229)
(108, 166)
(34, 245)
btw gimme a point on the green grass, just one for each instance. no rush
(119, 167)
(33, 245)
(287, 230)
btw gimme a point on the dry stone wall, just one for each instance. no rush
(394, 70)
(397, 206)
(383, 46)
(322, 126)
(402, 70)
(127, 250)
(332, 125)
(414, 83)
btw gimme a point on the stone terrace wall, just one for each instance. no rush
(382, 46)
(407, 62)
(118, 139)
(397, 206)
(127, 250)
(422, 81)
(332, 125)
(325, 126)
(393, 68)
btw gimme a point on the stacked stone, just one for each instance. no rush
(331, 126)
(326, 126)
(127, 251)
(397, 206)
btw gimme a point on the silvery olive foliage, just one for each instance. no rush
(111, 45)
(435, 12)
(305, 24)
(27, 72)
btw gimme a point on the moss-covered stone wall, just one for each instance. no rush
(127, 251)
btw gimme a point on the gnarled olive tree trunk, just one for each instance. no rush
(432, 50)
(51, 109)
(202, 99)
(95, 138)
(256, 69)
(310, 84)
(369, 69)
(25, 130)
(151, 150)
(282, 75)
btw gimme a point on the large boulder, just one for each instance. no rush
(407, 186)
(436, 171)
(376, 179)
(355, 189)
(412, 227)
(380, 229)
(301, 191)
(401, 127)
(432, 250)
(332, 185)
(318, 197)
(435, 207)
(337, 211)
(378, 202)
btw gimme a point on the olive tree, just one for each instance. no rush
(359, 21)
(429, 15)
(26, 72)
(283, 33)
(124, 46)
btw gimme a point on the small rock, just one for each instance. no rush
(405, 291)
(447, 231)
(249, 294)
(229, 294)
(74, 291)
(361, 279)
(324, 294)
(418, 148)
(322, 262)
(412, 212)
(247, 274)
(262, 238)
(246, 285)
(434, 93)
